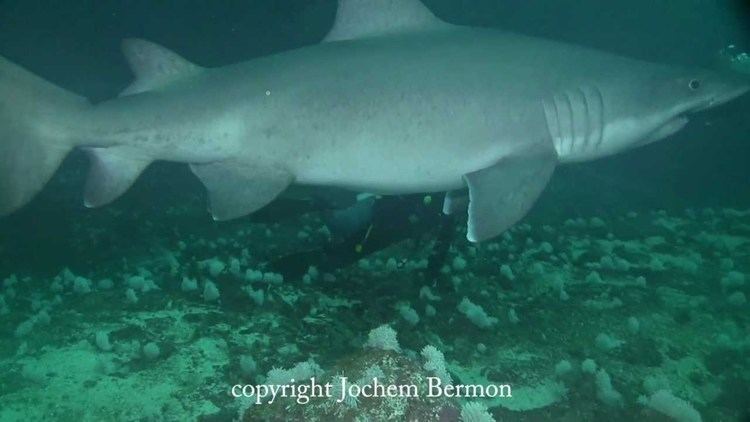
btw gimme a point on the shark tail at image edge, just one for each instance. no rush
(35, 135)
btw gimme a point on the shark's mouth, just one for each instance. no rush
(667, 129)
(671, 127)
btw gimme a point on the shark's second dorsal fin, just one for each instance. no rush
(369, 18)
(154, 66)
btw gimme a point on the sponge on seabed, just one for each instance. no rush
(604, 390)
(663, 401)
(476, 314)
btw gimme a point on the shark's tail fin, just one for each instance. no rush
(36, 122)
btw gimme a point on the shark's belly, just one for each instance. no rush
(385, 172)
(402, 151)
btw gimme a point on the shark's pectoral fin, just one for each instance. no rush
(236, 188)
(113, 171)
(502, 194)
(456, 201)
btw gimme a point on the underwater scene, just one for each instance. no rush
(374, 210)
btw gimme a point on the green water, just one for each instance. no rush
(621, 296)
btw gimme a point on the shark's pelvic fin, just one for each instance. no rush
(237, 188)
(455, 201)
(113, 171)
(154, 66)
(502, 194)
(370, 18)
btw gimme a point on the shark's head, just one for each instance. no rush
(636, 108)
(679, 93)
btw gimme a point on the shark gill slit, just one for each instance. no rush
(558, 122)
(571, 121)
(552, 120)
(600, 125)
(581, 116)
(560, 126)
(586, 120)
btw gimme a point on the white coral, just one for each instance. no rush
(383, 338)
(435, 363)
(475, 412)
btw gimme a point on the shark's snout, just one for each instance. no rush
(742, 90)
(731, 95)
(726, 92)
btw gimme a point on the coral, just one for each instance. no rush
(475, 412)
(435, 363)
(383, 338)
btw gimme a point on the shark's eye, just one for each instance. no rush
(694, 84)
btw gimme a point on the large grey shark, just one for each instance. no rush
(393, 101)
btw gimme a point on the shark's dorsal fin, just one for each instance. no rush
(369, 18)
(154, 66)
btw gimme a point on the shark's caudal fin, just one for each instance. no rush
(35, 133)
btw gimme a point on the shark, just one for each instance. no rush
(393, 101)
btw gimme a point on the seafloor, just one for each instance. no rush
(622, 317)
